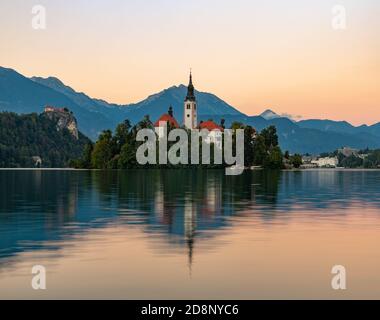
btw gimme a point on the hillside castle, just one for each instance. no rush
(63, 118)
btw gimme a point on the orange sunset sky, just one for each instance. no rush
(282, 55)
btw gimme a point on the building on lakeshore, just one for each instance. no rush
(328, 162)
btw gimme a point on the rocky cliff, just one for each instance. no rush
(64, 119)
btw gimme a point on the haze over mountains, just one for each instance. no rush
(26, 95)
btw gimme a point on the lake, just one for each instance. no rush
(189, 234)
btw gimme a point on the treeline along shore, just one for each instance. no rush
(42, 141)
(118, 150)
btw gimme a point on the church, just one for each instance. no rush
(190, 118)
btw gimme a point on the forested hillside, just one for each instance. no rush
(27, 139)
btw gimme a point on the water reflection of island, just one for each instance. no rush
(41, 208)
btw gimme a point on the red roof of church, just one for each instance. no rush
(167, 118)
(210, 126)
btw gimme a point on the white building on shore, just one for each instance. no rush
(329, 162)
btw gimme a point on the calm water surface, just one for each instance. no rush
(189, 234)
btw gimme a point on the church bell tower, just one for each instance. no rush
(190, 111)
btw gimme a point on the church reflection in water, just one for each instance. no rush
(182, 205)
(44, 209)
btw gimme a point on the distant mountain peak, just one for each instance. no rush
(157, 103)
(7, 71)
(53, 79)
(53, 83)
(269, 115)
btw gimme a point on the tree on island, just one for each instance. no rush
(103, 151)
(267, 152)
(296, 160)
(119, 151)
(274, 159)
(372, 160)
(260, 151)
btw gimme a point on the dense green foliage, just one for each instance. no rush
(118, 151)
(23, 137)
(267, 152)
(372, 160)
(350, 162)
(296, 160)
(368, 159)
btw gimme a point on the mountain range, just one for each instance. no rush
(28, 95)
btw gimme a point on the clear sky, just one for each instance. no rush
(276, 54)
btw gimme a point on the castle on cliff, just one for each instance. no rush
(63, 118)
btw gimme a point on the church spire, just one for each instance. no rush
(190, 107)
(191, 78)
(190, 90)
